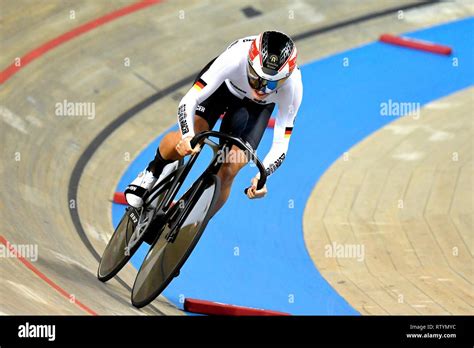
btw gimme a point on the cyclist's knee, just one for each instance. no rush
(170, 140)
(230, 170)
(200, 124)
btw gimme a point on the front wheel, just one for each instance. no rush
(177, 240)
(117, 252)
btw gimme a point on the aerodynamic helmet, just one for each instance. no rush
(271, 60)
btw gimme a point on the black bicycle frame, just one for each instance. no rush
(181, 173)
(231, 140)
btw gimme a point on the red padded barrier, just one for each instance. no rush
(416, 44)
(119, 198)
(217, 308)
(271, 123)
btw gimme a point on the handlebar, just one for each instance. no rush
(241, 145)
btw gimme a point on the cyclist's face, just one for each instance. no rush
(255, 81)
(261, 86)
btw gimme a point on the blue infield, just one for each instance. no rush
(253, 252)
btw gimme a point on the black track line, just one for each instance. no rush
(360, 19)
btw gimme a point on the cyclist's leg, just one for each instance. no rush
(235, 160)
(203, 120)
(207, 114)
(256, 122)
(259, 115)
(167, 148)
(165, 154)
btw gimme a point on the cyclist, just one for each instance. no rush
(244, 83)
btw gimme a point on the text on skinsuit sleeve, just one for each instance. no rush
(288, 105)
(201, 90)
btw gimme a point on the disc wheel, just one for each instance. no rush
(187, 222)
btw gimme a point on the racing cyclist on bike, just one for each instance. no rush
(244, 83)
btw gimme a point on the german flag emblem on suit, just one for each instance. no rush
(199, 84)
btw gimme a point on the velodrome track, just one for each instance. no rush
(58, 174)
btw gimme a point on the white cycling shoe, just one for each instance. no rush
(143, 183)
(139, 187)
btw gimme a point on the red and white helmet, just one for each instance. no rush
(272, 58)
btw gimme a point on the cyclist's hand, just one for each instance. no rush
(184, 147)
(252, 192)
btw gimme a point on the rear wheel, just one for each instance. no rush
(188, 219)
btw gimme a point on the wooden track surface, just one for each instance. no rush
(40, 149)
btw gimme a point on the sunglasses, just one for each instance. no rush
(260, 84)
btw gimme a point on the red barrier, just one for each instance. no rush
(271, 123)
(416, 44)
(216, 308)
(119, 198)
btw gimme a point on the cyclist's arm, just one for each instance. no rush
(287, 110)
(221, 69)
